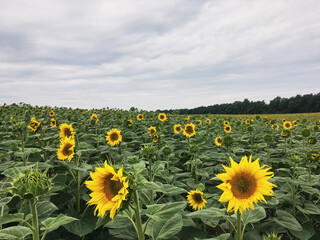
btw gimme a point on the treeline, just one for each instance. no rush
(298, 104)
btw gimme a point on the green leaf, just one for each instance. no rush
(83, 226)
(4, 201)
(9, 218)
(309, 208)
(208, 213)
(164, 211)
(287, 220)
(306, 233)
(224, 236)
(45, 209)
(253, 216)
(166, 229)
(15, 233)
(53, 223)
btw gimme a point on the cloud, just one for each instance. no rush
(157, 55)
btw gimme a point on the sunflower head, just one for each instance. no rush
(226, 123)
(218, 141)
(186, 120)
(285, 133)
(199, 122)
(140, 117)
(248, 122)
(287, 125)
(66, 131)
(113, 137)
(295, 123)
(189, 130)
(162, 117)
(208, 121)
(275, 126)
(196, 200)
(155, 138)
(312, 140)
(51, 113)
(94, 117)
(109, 189)
(152, 130)
(305, 132)
(177, 128)
(53, 122)
(244, 184)
(66, 149)
(227, 129)
(129, 122)
(34, 124)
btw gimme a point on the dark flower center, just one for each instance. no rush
(197, 198)
(114, 136)
(189, 129)
(66, 149)
(243, 185)
(67, 132)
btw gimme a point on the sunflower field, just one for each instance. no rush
(111, 174)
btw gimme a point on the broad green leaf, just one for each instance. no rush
(223, 236)
(164, 211)
(166, 229)
(286, 220)
(306, 233)
(208, 213)
(4, 201)
(53, 223)
(15, 233)
(253, 216)
(9, 218)
(309, 208)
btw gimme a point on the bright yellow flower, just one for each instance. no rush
(218, 141)
(244, 184)
(189, 130)
(196, 199)
(140, 117)
(66, 150)
(66, 131)
(152, 130)
(227, 129)
(113, 137)
(287, 125)
(162, 117)
(53, 122)
(177, 128)
(208, 121)
(108, 188)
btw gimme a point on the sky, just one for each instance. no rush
(151, 55)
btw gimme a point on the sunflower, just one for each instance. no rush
(152, 130)
(208, 121)
(94, 117)
(177, 128)
(275, 126)
(34, 124)
(248, 121)
(227, 129)
(66, 150)
(43, 111)
(108, 188)
(155, 138)
(295, 123)
(53, 122)
(51, 113)
(312, 140)
(199, 122)
(66, 131)
(162, 117)
(129, 122)
(140, 117)
(186, 120)
(244, 184)
(189, 130)
(218, 141)
(285, 133)
(226, 123)
(113, 137)
(196, 199)
(287, 125)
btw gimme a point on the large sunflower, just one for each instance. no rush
(113, 137)
(162, 117)
(196, 199)
(66, 150)
(189, 130)
(152, 130)
(218, 141)
(177, 128)
(287, 125)
(108, 188)
(140, 117)
(66, 131)
(227, 129)
(244, 184)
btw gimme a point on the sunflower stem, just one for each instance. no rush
(239, 235)
(138, 216)
(35, 222)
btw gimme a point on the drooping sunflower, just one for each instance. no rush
(244, 184)
(140, 117)
(218, 141)
(155, 138)
(53, 122)
(287, 125)
(66, 150)
(108, 188)
(189, 130)
(199, 122)
(196, 200)
(208, 121)
(51, 113)
(226, 123)
(285, 133)
(162, 117)
(227, 128)
(66, 131)
(152, 130)
(113, 137)
(177, 128)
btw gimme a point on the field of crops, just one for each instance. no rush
(110, 174)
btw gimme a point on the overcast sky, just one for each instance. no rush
(157, 54)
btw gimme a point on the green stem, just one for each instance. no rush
(35, 223)
(138, 216)
(78, 192)
(239, 235)
(150, 179)
(119, 149)
(2, 211)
